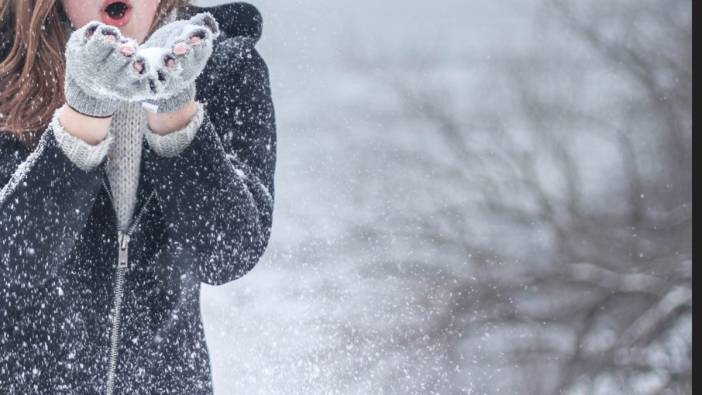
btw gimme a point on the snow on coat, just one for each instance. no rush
(206, 216)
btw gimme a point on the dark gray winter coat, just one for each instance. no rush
(203, 216)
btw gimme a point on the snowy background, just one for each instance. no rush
(472, 197)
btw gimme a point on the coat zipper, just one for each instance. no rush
(123, 239)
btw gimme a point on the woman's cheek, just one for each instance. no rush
(143, 14)
(81, 12)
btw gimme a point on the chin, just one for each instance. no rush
(133, 35)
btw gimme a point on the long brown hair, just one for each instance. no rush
(33, 36)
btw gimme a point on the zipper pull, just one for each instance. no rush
(123, 255)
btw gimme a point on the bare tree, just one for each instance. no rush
(582, 282)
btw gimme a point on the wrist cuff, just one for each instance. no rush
(86, 156)
(174, 143)
(87, 105)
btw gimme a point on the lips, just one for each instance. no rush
(116, 12)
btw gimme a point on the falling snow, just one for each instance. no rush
(448, 198)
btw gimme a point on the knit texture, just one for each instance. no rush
(86, 104)
(98, 74)
(175, 86)
(124, 158)
(123, 147)
(172, 144)
(84, 155)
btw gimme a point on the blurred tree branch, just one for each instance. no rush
(615, 266)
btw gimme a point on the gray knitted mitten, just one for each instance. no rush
(175, 55)
(102, 70)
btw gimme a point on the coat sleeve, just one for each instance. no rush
(217, 195)
(45, 201)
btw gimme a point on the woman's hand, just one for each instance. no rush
(102, 70)
(175, 56)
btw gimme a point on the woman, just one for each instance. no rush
(137, 157)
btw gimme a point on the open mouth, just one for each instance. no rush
(116, 12)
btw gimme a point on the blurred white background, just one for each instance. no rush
(471, 198)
